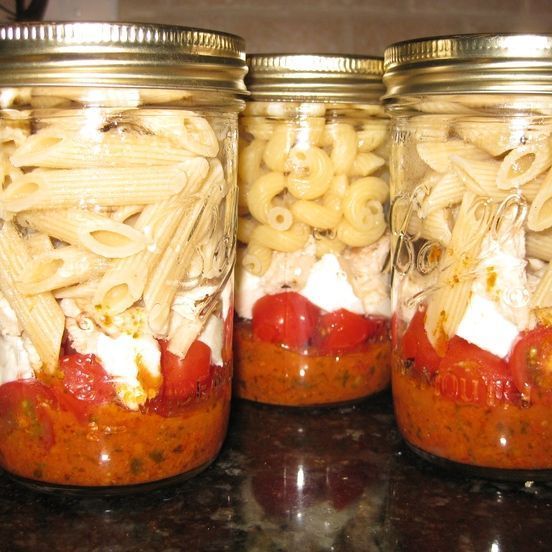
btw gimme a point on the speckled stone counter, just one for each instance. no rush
(337, 480)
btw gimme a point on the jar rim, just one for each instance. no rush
(314, 77)
(118, 54)
(504, 63)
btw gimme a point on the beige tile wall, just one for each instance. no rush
(342, 26)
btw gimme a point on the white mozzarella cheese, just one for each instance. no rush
(328, 287)
(484, 326)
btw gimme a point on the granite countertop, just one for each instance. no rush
(295, 480)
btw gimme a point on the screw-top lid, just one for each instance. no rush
(314, 77)
(120, 54)
(477, 63)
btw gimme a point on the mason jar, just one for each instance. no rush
(471, 185)
(312, 301)
(117, 241)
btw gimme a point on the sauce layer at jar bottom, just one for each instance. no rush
(121, 447)
(267, 373)
(106, 491)
(502, 437)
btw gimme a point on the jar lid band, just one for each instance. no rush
(120, 55)
(314, 77)
(474, 63)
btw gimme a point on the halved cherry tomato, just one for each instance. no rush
(85, 384)
(473, 375)
(531, 361)
(184, 379)
(285, 318)
(85, 379)
(342, 330)
(417, 348)
(24, 406)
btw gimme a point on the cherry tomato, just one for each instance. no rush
(470, 374)
(285, 318)
(24, 406)
(342, 330)
(531, 361)
(85, 379)
(184, 379)
(417, 348)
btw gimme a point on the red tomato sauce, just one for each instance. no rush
(471, 407)
(270, 373)
(48, 436)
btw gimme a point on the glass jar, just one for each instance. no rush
(118, 209)
(312, 302)
(471, 181)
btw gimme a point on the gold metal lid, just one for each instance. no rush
(314, 77)
(120, 54)
(476, 63)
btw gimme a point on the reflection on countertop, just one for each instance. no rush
(295, 480)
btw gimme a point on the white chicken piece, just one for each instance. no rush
(365, 269)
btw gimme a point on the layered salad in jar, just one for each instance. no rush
(472, 323)
(116, 257)
(312, 303)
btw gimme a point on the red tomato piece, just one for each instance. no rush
(85, 379)
(473, 375)
(285, 318)
(417, 348)
(531, 361)
(342, 330)
(24, 406)
(184, 379)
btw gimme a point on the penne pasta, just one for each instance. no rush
(524, 164)
(97, 233)
(114, 186)
(58, 268)
(65, 150)
(40, 317)
(438, 154)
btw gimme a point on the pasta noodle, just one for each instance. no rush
(257, 258)
(343, 138)
(39, 315)
(261, 193)
(60, 267)
(539, 245)
(278, 147)
(54, 189)
(314, 214)
(523, 164)
(310, 173)
(438, 154)
(540, 213)
(97, 233)
(63, 150)
(366, 163)
(289, 240)
(452, 292)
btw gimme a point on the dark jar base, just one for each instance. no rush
(108, 490)
(482, 472)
